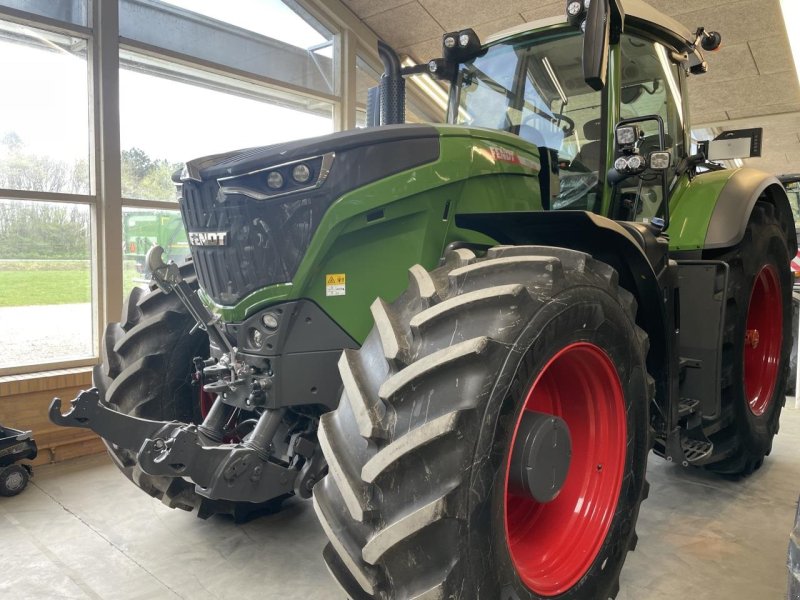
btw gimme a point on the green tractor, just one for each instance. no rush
(141, 230)
(561, 284)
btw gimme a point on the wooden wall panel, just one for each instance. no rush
(24, 400)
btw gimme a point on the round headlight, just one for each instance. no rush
(256, 337)
(573, 8)
(301, 173)
(621, 164)
(449, 41)
(636, 162)
(463, 39)
(270, 321)
(275, 180)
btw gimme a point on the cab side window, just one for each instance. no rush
(650, 85)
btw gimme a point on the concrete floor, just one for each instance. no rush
(82, 531)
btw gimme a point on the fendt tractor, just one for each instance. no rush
(465, 338)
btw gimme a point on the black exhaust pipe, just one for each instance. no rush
(393, 87)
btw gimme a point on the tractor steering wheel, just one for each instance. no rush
(558, 121)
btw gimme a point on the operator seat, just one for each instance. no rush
(592, 150)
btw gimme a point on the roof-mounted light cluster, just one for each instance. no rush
(458, 46)
(577, 11)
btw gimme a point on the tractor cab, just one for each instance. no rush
(537, 86)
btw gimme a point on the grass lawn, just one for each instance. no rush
(27, 283)
(25, 288)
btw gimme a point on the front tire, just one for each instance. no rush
(147, 372)
(417, 503)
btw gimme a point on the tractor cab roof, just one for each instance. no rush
(638, 16)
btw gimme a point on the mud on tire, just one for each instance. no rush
(415, 500)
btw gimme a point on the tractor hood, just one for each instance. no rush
(250, 214)
(369, 143)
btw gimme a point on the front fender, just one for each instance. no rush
(605, 240)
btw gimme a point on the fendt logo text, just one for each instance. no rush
(208, 238)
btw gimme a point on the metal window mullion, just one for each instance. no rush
(222, 70)
(47, 366)
(106, 155)
(33, 196)
(339, 18)
(347, 81)
(157, 204)
(21, 17)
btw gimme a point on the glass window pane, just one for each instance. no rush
(433, 112)
(44, 135)
(70, 11)
(650, 86)
(45, 282)
(170, 114)
(141, 230)
(366, 77)
(270, 38)
(535, 88)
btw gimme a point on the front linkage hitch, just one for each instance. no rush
(246, 471)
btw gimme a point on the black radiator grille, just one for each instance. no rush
(265, 240)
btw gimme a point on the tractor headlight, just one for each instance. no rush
(660, 160)
(270, 321)
(275, 180)
(635, 162)
(280, 180)
(626, 136)
(301, 173)
(576, 13)
(630, 163)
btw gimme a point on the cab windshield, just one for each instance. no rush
(535, 89)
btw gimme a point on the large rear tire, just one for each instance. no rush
(756, 346)
(418, 504)
(147, 372)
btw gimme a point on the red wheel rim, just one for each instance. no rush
(763, 339)
(206, 402)
(553, 544)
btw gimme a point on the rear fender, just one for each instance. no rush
(735, 204)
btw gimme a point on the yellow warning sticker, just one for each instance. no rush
(335, 284)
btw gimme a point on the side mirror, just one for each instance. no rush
(735, 143)
(601, 21)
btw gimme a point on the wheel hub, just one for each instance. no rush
(541, 456)
(751, 338)
(14, 481)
